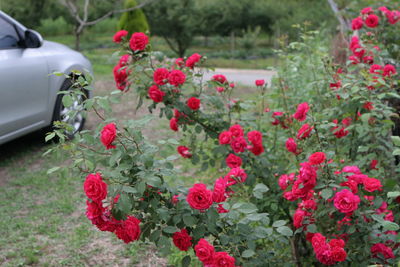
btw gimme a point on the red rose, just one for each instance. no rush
(94, 210)
(219, 192)
(236, 130)
(317, 158)
(255, 137)
(298, 218)
(260, 82)
(222, 259)
(192, 60)
(372, 21)
(193, 103)
(233, 161)
(160, 76)
(373, 164)
(389, 70)
(368, 105)
(129, 230)
(257, 149)
(225, 138)
(107, 135)
(220, 89)
(304, 131)
(219, 78)
(176, 77)
(291, 146)
(173, 124)
(372, 184)
(199, 197)
(182, 240)
(357, 23)
(184, 151)
(367, 10)
(354, 43)
(285, 180)
(345, 201)
(119, 35)
(301, 112)
(179, 62)
(120, 76)
(382, 249)
(138, 41)
(156, 94)
(237, 173)
(124, 60)
(95, 188)
(238, 144)
(204, 251)
(221, 209)
(318, 240)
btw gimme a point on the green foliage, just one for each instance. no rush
(54, 27)
(133, 21)
(108, 25)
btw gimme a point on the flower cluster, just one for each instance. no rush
(206, 253)
(235, 138)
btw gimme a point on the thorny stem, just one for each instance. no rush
(98, 114)
(94, 150)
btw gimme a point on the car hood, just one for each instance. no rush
(56, 47)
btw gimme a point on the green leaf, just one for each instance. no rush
(259, 189)
(54, 169)
(170, 229)
(284, 230)
(67, 101)
(247, 208)
(153, 180)
(124, 203)
(396, 152)
(49, 136)
(278, 223)
(248, 253)
(390, 226)
(393, 194)
(396, 140)
(186, 261)
(189, 220)
(326, 193)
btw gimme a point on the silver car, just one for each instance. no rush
(28, 92)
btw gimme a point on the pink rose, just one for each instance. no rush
(372, 184)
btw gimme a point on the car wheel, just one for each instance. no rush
(61, 113)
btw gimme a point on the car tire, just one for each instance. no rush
(78, 121)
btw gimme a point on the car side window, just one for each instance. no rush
(8, 36)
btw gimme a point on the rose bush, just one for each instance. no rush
(316, 177)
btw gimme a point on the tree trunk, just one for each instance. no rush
(77, 40)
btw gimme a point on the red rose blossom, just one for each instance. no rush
(346, 202)
(121, 76)
(199, 197)
(372, 21)
(179, 62)
(156, 94)
(160, 76)
(291, 146)
(192, 60)
(223, 259)
(298, 218)
(176, 77)
(236, 130)
(357, 23)
(173, 124)
(219, 192)
(372, 184)
(238, 144)
(107, 135)
(193, 103)
(204, 251)
(225, 138)
(219, 78)
(304, 131)
(301, 112)
(233, 161)
(117, 38)
(259, 82)
(94, 187)
(138, 41)
(389, 70)
(182, 240)
(382, 249)
(94, 210)
(317, 158)
(129, 230)
(255, 137)
(184, 151)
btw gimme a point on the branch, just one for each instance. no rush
(85, 11)
(108, 14)
(344, 24)
(73, 10)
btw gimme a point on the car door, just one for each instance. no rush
(24, 84)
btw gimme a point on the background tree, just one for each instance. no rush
(82, 13)
(174, 20)
(133, 21)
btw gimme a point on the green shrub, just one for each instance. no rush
(52, 27)
(133, 21)
(107, 25)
